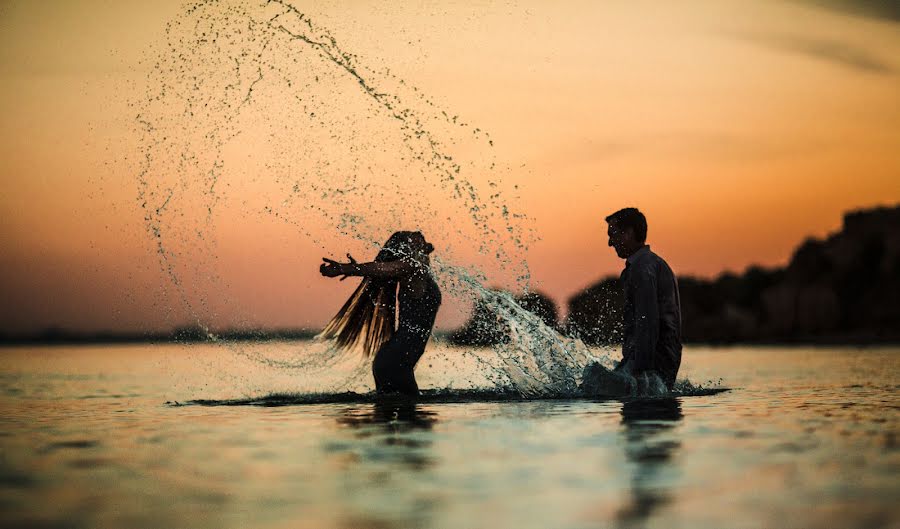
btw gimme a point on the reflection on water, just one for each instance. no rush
(807, 436)
(394, 417)
(389, 450)
(389, 422)
(646, 425)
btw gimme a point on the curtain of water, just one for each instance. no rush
(257, 110)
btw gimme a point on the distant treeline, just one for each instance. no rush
(844, 289)
(55, 336)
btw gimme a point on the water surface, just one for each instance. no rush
(805, 438)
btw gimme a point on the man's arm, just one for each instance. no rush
(646, 320)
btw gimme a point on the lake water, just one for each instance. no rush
(807, 437)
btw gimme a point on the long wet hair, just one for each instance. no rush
(367, 318)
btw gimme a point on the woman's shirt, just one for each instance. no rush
(419, 298)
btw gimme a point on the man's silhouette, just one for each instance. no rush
(652, 312)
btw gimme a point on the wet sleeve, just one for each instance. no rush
(646, 320)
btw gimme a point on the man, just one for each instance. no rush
(652, 315)
(651, 348)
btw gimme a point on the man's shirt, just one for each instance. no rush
(652, 316)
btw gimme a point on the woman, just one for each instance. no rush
(401, 271)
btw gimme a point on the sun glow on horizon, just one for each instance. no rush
(736, 130)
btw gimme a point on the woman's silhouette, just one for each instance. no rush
(400, 275)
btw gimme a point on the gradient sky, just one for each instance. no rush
(739, 128)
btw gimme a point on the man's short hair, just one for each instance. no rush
(630, 218)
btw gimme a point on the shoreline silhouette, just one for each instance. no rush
(841, 290)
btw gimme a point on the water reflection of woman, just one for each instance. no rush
(389, 421)
(399, 278)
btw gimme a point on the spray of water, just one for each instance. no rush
(256, 110)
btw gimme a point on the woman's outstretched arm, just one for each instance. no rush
(380, 270)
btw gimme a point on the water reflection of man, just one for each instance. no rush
(651, 344)
(645, 424)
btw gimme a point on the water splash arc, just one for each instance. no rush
(332, 134)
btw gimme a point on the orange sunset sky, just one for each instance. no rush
(739, 128)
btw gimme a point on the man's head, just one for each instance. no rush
(627, 231)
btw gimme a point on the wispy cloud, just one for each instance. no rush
(707, 145)
(880, 9)
(834, 51)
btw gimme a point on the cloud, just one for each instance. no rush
(879, 9)
(701, 145)
(833, 51)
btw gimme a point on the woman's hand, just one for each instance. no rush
(331, 268)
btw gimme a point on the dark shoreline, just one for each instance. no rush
(303, 335)
(180, 336)
(842, 290)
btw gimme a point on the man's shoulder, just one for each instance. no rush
(647, 256)
(651, 255)
(656, 261)
(650, 260)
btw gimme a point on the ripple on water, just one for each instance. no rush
(75, 444)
